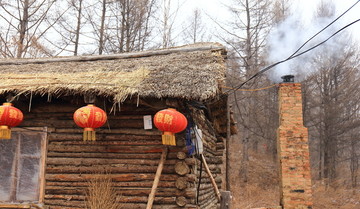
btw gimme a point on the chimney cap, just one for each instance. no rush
(288, 78)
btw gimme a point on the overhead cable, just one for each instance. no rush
(291, 57)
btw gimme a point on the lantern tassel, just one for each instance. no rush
(89, 134)
(168, 138)
(5, 132)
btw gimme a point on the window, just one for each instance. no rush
(22, 167)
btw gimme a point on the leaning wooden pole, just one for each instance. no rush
(157, 178)
(216, 189)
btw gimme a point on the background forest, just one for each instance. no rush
(259, 33)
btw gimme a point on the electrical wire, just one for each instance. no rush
(336, 19)
(289, 58)
(258, 89)
(294, 55)
(199, 183)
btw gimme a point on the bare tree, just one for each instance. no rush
(169, 13)
(281, 10)
(79, 8)
(70, 27)
(25, 27)
(333, 88)
(332, 98)
(194, 31)
(247, 30)
(127, 25)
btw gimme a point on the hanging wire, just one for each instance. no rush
(336, 19)
(289, 58)
(295, 54)
(199, 183)
(258, 89)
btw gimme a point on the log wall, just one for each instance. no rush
(125, 152)
(213, 152)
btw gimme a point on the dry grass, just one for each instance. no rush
(262, 187)
(338, 197)
(101, 194)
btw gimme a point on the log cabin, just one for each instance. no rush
(47, 164)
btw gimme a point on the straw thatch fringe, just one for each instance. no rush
(190, 72)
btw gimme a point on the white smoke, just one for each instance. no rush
(289, 35)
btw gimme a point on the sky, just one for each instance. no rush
(281, 48)
(304, 8)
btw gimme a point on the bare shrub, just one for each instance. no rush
(101, 193)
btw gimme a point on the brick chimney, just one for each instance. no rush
(293, 148)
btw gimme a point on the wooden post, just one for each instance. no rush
(225, 200)
(216, 189)
(157, 178)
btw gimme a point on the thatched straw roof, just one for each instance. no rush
(189, 72)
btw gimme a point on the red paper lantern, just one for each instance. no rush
(9, 117)
(89, 118)
(169, 121)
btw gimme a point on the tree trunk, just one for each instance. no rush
(23, 28)
(102, 26)
(78, 26)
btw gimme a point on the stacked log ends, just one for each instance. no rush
(182, 168)
(181, 155)
(181, 183)
(181, 201)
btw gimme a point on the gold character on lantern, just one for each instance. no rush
(168, 119)
(98, 116)
(84, 115)
(160, 117)
(13, 114)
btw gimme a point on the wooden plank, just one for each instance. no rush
(120, 199)
(14, 205)
(97, 161)
(152, 132)
(115, 177)
(44, 149)
(59, 185)
(120, 168)
(171, 155)
(82, 143)
(106, 149)
(108, 137)
(79, 192)
(66, 115)
(69, 123)
(216, 189)
(157, 178)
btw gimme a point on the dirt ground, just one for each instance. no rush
(261, 189)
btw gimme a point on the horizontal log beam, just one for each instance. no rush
(98, 161)
(128, 55)
(172, 155)
(106, 149)
(120, 168)
(141, 184)
(115, 177)
(80, 193)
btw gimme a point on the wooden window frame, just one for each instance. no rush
(43, 150)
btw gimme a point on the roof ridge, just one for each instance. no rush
(186, 48)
